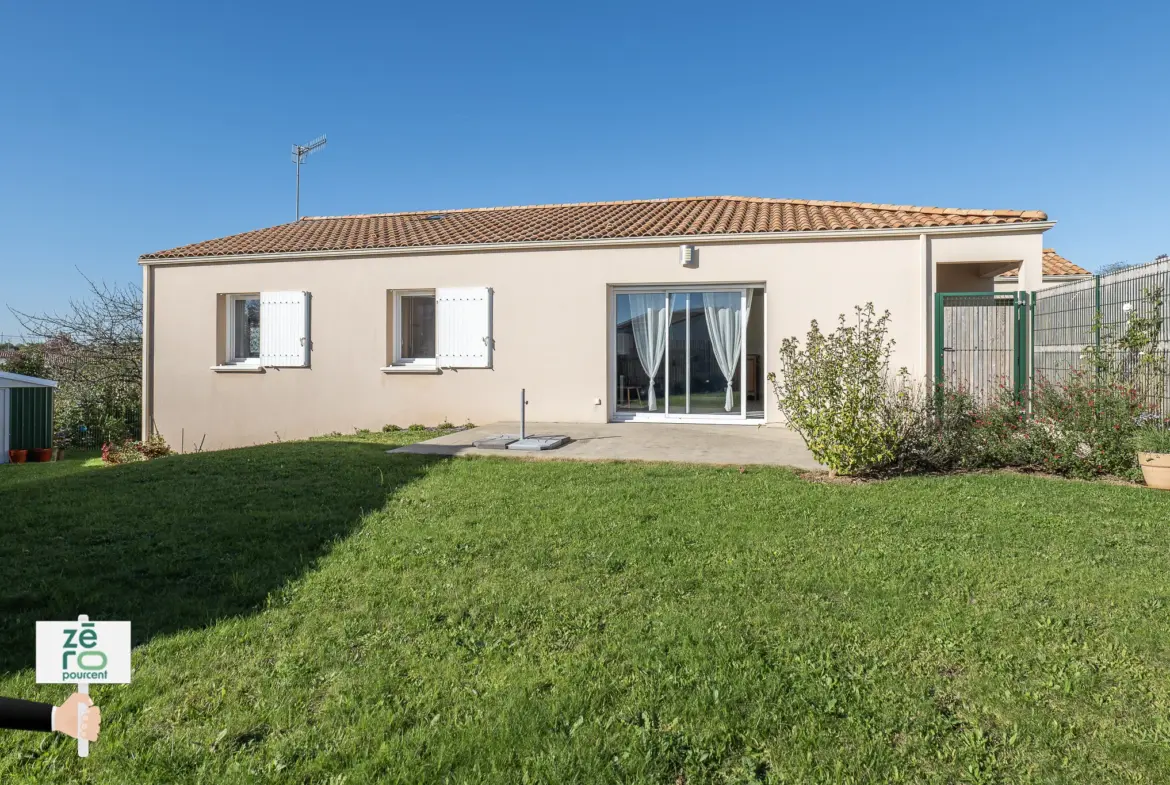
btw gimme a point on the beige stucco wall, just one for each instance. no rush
(961, 277)
(551, 328)
(1011, 284)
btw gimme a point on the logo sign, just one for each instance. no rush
(76, 652)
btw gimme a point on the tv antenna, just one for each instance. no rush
(299, 153)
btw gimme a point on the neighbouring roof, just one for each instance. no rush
(1054, 264)
(693, 216)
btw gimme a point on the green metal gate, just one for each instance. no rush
(981, 342)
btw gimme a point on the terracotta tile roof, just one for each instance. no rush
(1054, 264)
(587, 221)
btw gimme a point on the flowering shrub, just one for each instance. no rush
(938, 431)
(1079, 428)
(834, 391)
(1086, 426)
(133, 452)
(121, 452)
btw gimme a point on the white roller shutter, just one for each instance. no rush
(284, 329)
(463, 327)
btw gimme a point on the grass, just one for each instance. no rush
(320, 612)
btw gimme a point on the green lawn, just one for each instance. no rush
(320, 612)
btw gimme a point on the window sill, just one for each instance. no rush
(410, 369)
(241, 368)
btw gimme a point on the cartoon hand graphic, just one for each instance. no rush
(65, 718)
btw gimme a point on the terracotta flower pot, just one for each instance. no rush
(40, 454)
(18, 456)
(1155, 469)
(60, 453)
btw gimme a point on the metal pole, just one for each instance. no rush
(522, 402)
(83, 688)
(666, 364)
(687, 349)
(298, 186)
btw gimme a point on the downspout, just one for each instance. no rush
(147, 351)
(926, 299)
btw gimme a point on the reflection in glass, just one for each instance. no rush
(695, 347)
(640, 346)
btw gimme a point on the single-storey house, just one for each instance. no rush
(665, 310)
(1056, 270)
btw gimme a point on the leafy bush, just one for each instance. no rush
(1080, 428)
(28, 360)
(936, 431)
(1077, 429)
(121, 452)
(445, 425)
(417, 427)
(391, 428)
(97, 413)
(1153, 440)
(127, 451)
(835, 392)
(1086, 426)
(154, 447)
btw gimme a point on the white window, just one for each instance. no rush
(267, 329)
(414, 328)
(441, 328)
(243, 329)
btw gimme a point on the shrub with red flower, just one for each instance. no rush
(1080, 427)
(135, 451)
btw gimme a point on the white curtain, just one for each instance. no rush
(726, 320)
(650, 320)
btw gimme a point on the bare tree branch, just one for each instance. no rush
(93, 349)
(97, 340)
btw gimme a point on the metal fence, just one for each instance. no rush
(1123, 318)
(81, 437)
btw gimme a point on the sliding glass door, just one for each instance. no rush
(679, 354)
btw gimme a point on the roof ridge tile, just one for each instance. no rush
(1036, 214)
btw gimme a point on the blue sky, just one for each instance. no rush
(127, 128)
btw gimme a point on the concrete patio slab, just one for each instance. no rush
(682, 443)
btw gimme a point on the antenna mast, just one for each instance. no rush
(299, 153)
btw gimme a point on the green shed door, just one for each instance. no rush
(30, 419)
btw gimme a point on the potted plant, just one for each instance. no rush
(18, 456)
(41, 454)
(60, 442)
(1154, 457)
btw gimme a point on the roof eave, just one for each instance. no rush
(1051, 276)
(34, 381)
(752, 237)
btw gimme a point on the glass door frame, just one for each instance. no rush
(669, 291)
